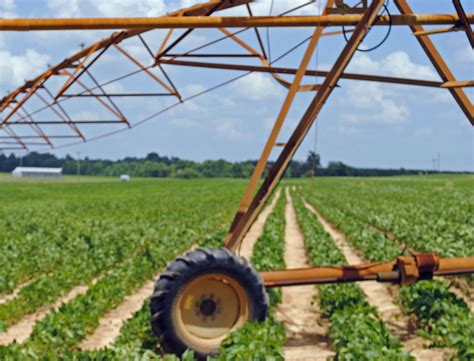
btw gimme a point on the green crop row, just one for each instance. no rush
(46, 228)
(444, 318)
(263, 341)
(428, 214)
(356, 330)
(175, 226)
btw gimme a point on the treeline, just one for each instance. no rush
(154, 165)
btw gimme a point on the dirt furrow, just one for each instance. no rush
(20, 331)
(384, 298)
(305, 327)
(248, 243)
(111, 323)
(4, 298)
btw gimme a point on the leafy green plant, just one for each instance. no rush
(263, 341)
(356, 330)
(404, 207)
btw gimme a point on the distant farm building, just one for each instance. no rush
(36, 172)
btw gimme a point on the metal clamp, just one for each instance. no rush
(417, 266)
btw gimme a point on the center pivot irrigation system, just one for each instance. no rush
(206, 294)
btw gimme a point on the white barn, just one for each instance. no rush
(37, 172)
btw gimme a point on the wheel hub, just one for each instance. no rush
(209, 308)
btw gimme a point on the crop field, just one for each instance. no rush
(78, 258)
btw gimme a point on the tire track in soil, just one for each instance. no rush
(306, 328)
(21, 330)
(248, 243)
(383, 297)
(457, 285)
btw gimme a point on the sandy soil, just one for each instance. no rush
(4, 298)
(111, 323)
(306, 329)
(384, 298)
(248, 243)
(20, 331)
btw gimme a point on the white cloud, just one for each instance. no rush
(131, 7)
(397, 63)
(373, 104)
(262, 8)
(113, 8)
(15, 69)
(7, 9)
(65, 9)
(257, 86)
(465, 55)
(227, 129)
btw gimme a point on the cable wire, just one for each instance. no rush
(385, 6)
(269, 49)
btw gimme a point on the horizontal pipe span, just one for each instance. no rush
(382, 272)
(52, 122)
(169, 22)
(280, 70)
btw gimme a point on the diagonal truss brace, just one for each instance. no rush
(235, 235)
(464, 21)
(271, 142)
(438, 62)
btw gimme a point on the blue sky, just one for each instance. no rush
(363, 123)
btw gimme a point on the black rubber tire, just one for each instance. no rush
(186, 268)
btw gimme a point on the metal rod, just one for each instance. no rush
(438, 62)
(216, 55)
(39, 122)
(437, 31)
(118, 95)
(281, 70)
(40, 137)
(464, 21)
(234, 238)
(187, 22)
(195, 10)
(270, 143)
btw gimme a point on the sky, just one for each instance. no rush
(364, 124)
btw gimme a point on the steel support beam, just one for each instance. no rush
(196, 22)
(263, 160)
(196, 10)
(276, 172)
(319, 73)
(464, 21)
(438, 62)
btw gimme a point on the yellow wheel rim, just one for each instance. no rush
(208, 309)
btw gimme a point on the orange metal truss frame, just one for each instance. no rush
(336, 12)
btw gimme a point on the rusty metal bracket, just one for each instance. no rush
(417, 266)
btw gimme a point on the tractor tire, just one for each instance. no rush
(202, 297)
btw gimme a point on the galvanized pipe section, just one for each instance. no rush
(185, 22)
